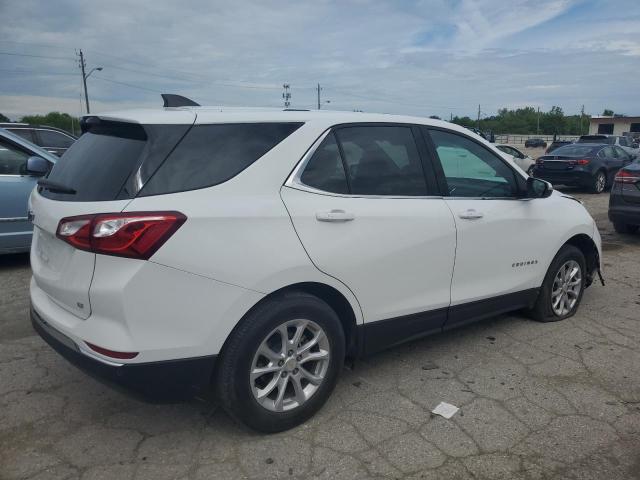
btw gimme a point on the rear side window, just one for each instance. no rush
(212, 154)
(325, 170)
(382, 160)
(24, 133)
(50, 138)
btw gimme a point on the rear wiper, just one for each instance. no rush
(55, 187)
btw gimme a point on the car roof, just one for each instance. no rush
(28, 145)
(204, 115)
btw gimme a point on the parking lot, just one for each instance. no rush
(556, 400)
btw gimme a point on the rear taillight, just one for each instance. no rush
(132, 235)
(624, 176)
(582, 161)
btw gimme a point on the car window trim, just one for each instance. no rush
(442, 177)
(294, 179)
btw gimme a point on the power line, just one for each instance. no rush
(35, 56)
(127, 84)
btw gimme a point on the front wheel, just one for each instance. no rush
(563, 285)
(599, 182)
(282, 362)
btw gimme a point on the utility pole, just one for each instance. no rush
(451, 116)
(84, 80)
(286, 95)
(319, 105)
(538, 127)
(478, 123)
(581, 115)
(83, 65)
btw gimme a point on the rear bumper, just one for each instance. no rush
(629, 216)
(164, 380)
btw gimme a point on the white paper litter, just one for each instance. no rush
(445, 410)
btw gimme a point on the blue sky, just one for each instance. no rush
(419, 57)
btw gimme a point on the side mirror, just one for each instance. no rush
(537, 188)
(635, 145)
(37, 166)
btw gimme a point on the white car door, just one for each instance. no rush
(501, 252)
(362, 204)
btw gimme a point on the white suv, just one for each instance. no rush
(254, 250)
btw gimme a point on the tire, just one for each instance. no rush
(599, 182)
(625, 228)
(238, 391)
(543, 310)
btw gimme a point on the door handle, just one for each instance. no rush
(334, 216)
(471, 214)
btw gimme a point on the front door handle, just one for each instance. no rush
(471, 214)
(334, 216)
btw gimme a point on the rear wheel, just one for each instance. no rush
(599, 182)
(563, 285)
(282, 362)
(625, 228)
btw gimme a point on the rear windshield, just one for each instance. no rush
(116, 160)
(575, 150)
(597, 139)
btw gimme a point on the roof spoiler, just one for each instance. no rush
(171, 100)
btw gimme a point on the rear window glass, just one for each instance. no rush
(596, 139)
(575, 150)
(212, 154)
(53, 139)
(104, 163)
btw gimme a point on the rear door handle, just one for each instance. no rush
(471, 214)
(334, 216)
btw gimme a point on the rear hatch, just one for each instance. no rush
(567, 157)
(100, 173)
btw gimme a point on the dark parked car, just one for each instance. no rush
(623, 142)
(592, 166)
(557, 144)
(535, 143)
(53, 140)
(624, 202)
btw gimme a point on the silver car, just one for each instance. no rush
(21, 164)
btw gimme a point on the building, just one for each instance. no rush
(615, 125)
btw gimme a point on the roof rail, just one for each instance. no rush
(172, 100)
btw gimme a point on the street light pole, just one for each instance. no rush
(83, 65)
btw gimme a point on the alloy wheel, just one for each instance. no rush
(566, 288)
(290, 365)
(600, 182)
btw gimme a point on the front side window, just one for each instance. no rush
(470, 169)
(609, 152)
(621, 154)
(13, 161)
(382, 160)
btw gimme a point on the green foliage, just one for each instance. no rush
(525, 121)
(607, 113)
(4, 118)
(54, 119)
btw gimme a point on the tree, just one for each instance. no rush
(4, 118)
(63, 121)
(607, 113)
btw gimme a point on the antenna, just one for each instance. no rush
(286, 95)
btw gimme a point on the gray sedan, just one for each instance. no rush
(21, 164)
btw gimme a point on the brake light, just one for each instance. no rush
(582, 161)
(624, 176)
(132, 234)
(111, 353)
